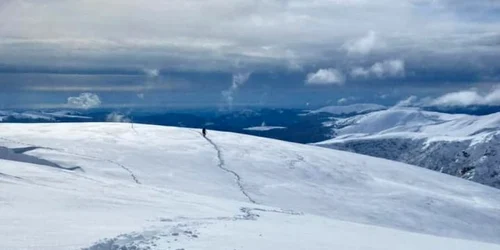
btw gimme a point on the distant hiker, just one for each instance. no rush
(204, 132)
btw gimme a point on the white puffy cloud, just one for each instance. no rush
(390, 68)
(461, 98)
(84, 101)
(360, 72)
(363, 45)
(384, 69)
(468, 97)
(328, 76)
(117, 117)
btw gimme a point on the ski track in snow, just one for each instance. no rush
(134, 177)
(181, 228)
(185, 226)
(31, 147)
(222, 165)
(293, 163)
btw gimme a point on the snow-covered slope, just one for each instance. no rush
(460, 145)
(150, 187)
(358, 108)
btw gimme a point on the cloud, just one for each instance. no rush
(238, 80)
(346, 100)
(117, 117)
(152, 82)
(360, 72)
(291, 33)
(468, 98)
(84, 101)
(384, 69)
(342, 101)
(328, 76)
(152, 73)
(408, 102)
(138, 47)
(104, 88)
(363, 45)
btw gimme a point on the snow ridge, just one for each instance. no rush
(31, 147)
(19, 156)
(222, 164)
(24, 150)
(359, 108)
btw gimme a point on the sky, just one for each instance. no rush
(228, 54)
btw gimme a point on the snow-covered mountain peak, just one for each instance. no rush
(460, 145)
(416, 120)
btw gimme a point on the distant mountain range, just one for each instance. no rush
(284, 124)
(347, 110)
(461, 145)
(42, 116)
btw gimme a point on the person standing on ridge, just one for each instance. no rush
(204, 132)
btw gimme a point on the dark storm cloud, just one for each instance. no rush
(70, 46)
(221, 35)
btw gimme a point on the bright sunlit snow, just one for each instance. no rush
(151, 187)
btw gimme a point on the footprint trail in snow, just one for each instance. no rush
(222, 165)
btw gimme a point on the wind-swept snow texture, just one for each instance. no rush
(461, 145)
(195, 193)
